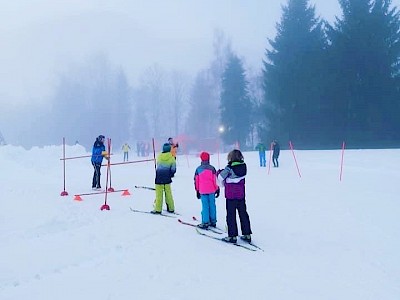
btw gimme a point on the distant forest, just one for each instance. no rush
(319, 84)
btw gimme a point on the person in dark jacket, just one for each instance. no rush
(276, 149)
(98, 152)
(166, 168)
(233, 179)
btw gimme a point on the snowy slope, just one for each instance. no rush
(323, 238)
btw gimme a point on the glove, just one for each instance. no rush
(198, 195)
(217, 193)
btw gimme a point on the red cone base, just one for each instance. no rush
(105, 207)
(110, 189)
(126, 193)
(64, 193)
(77, 198)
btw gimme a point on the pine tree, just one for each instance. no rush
(202, 117)
(235, 103)
(204, 114)
(294, 75)
(365, 55)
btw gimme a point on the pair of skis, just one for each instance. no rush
(247, 246)
(163, 214)
(213, 229)
(206, 232)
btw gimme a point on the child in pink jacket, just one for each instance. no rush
(205, 184)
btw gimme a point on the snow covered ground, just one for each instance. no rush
(323, 238)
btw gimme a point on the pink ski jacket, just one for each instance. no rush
(205, 179)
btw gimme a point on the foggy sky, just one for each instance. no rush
(39, 39)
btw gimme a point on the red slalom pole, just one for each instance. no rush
(341, 162)
(64, 192)
(291, 148)
(154, 155)
(270, 158)
(130, 162)
(110, 189)
(105, 206)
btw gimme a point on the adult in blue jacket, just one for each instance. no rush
(261, 153)
(97, 158)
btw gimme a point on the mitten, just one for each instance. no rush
(198, 195)
(217, 193)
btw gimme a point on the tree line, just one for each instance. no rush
(325, 83)
(319, 84)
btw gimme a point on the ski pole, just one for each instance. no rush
(145, 187)
(105, 206)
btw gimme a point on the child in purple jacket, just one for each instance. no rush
(205, 184)
(233, 179)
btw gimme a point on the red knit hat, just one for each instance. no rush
(204, 156)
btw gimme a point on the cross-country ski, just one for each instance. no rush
(149, 212)
(244, 246)
(215, 230)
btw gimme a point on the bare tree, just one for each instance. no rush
(153, 93)
(206, 91)
(179, 98)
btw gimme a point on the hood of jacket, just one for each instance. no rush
(165, 157)
(239, 168)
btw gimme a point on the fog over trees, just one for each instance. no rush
(319, 84)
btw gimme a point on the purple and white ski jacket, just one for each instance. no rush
(233, 179)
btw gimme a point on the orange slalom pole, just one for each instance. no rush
(100, 192)
(82, 156)
(129, 162)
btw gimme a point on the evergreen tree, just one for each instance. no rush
(235, 103)
(256, 94)
(204, 114)
(365, 58)
(294, 75)
(202, 117)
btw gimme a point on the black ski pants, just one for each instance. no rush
(275, 161)
(96, 175)
(240, 205)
